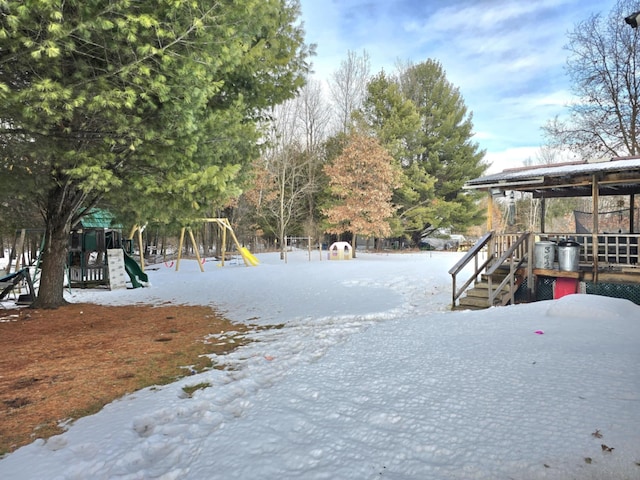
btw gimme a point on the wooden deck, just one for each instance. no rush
(503, 262)
(608, 257)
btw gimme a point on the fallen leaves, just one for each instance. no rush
(606, 449)
(91, 359)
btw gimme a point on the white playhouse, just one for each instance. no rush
(340, 251)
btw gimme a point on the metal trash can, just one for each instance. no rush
(569, 256)
(544, 255)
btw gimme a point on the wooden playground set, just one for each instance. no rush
(99, 256)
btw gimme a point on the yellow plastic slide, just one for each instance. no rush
(248, 257)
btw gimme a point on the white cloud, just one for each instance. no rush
(505, 56)
(517, 157)
(509, 158)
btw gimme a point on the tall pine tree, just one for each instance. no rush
(150, 103)
(449, 154)
(395, 121)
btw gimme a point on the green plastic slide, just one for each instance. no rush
(137, 276)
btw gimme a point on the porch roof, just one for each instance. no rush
(618, 176)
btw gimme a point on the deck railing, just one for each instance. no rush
(614, 250)
(474, 254)
(90, 274)
(614, 253)
(514, 253)
(503, 242)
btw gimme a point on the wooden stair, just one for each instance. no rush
(498, 258)
(477, 297)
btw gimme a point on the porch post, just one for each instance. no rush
(594, 233)
(531, 281)
(632, 207)
(543, 212)
(490, 212)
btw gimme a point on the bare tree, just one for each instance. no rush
(285, 174)
(547, 155)
(348, 86)
(603, 66)
(527, 205)
(313, 117)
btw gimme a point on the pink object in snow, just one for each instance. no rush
(539, 332)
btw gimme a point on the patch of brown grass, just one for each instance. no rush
(67, 363)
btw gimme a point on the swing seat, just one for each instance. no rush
(11, 281)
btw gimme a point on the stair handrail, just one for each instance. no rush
(514, 266)
(472, 254)
(508, 253)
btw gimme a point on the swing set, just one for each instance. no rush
(249, 259)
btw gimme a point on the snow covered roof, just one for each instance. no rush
(618, 176)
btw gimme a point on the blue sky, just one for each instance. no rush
(507, 57)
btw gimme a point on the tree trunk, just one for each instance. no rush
(283, 243)
(50, 293)
(62, 203)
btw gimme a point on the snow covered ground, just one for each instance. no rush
(370, 377)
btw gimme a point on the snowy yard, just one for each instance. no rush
(371, 376)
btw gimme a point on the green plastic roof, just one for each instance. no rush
(98, 218)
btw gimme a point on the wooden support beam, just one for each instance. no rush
(180, 243)
(543, 272)
(596, 227)
(531, 283)
(141, 248)
(632, 213)
(223, 247)
(225, 226)
(490, 212)
(195, 249)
